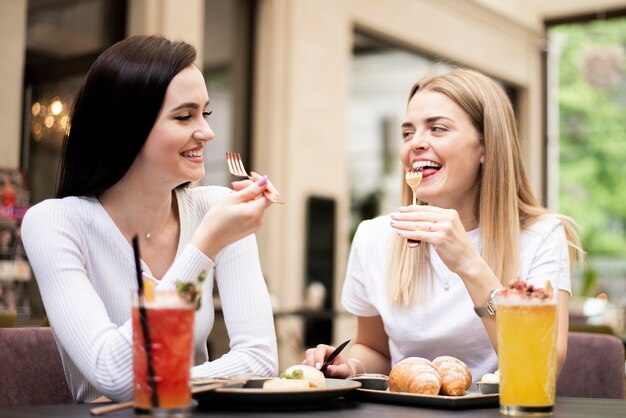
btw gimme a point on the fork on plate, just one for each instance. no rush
(236, 168)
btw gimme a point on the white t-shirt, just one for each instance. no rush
(446, 323)
(85, 270)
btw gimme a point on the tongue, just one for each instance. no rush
(427, 171)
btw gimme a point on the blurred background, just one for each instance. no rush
(313, 93)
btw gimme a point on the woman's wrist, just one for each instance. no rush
(356, 366)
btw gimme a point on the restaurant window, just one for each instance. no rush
(227, 63)
(64, 37)
(381, 75)
(586, 140)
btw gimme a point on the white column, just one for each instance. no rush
(13, 16)
(173, 19)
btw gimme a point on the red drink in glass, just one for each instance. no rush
(170, 326)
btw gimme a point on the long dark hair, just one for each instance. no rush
(115, 110)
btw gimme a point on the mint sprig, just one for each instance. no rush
(190, 291)
(295, 374)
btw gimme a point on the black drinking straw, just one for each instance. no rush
(143, 319)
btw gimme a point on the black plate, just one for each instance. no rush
(472, 399)
(251, 395)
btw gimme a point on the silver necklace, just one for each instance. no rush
(443, 274)
(149, 235)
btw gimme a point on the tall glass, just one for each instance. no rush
(170, 326)
(527, 334)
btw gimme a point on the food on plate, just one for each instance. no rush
(298, 377)
(286, 384)
(455, 375)
(415, 375)
(445, 375)
(491, 377)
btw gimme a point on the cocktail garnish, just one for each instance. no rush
(521, 289)
(295, 374)
(190, 291)
(148, 290)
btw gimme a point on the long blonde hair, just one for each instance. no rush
(505, 205)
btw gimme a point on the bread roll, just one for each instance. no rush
(415, 375)
(315, 378)
(286, 384)
(455, 375)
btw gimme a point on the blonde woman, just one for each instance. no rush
(479, 224)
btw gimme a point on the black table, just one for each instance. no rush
(565, 407)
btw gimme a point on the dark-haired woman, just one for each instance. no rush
(138, 129)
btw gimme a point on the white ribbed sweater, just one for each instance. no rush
(85, 271)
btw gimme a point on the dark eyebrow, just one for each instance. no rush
(188, 105)
(407, 125)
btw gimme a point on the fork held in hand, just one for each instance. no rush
(413, 178)
(236, 168)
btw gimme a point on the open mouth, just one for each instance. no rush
(428, 167)
(194, 153)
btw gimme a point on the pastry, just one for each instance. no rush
(286, 384)
(315, 378)
(455, 375)
(415, 375)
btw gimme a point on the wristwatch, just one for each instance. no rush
(489, 308)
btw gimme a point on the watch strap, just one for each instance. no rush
(488, 309)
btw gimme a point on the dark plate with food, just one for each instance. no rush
(309, 389)
(471, 399)
(445, 382)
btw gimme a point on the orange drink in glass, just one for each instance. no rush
(527, 334)
(170, 322)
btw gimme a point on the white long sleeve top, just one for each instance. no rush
(85, 270)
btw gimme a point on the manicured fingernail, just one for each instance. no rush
(263, 181)
(318, 365)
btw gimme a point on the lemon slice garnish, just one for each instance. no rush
(148, 290)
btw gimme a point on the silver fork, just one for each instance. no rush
(236, 168)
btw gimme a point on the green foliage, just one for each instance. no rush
(592, 142)
(590, 281)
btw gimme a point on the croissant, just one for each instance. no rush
(455, 375)
(415, 375)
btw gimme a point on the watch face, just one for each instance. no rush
(492, 297)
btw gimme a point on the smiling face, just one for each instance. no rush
(440, 137)
(173, 152)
